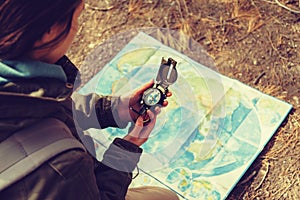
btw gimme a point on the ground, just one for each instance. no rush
(254, 41)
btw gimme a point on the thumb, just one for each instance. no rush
(137, 128)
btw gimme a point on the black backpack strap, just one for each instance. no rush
(27, 149)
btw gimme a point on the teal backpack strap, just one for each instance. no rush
(26, 150)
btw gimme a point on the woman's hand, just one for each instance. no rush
(139, 132)
(133, 101)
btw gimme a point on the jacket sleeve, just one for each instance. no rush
(96, 111)
(114, 173)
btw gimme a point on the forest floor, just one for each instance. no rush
(254, 41)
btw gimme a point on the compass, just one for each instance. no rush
(152, 96)
(155, 96)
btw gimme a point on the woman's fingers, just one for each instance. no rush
(157, 110)
(138, 126)
(140, 133)
(148, 127)
(165, 103)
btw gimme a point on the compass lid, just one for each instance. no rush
(167, 74)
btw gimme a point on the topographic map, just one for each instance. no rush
(206, 138)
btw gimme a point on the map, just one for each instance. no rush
(206, 138)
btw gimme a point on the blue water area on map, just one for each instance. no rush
(238, 139)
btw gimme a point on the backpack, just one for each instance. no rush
(25, 150)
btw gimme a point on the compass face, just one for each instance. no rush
(151, 96)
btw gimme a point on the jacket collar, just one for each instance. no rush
(45, 87)
(63, 70)
(11, 70)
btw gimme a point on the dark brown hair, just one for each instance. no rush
(23, 22)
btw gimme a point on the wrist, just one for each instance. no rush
(123, 110)
(132, 140)
(116, 111)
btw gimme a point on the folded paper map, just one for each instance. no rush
(206, 138)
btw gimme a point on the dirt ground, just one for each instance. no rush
(254, 41)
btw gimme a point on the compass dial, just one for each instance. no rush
(152, 96)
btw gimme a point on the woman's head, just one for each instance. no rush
(37, 29)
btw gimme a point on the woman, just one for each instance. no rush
(36, 84)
